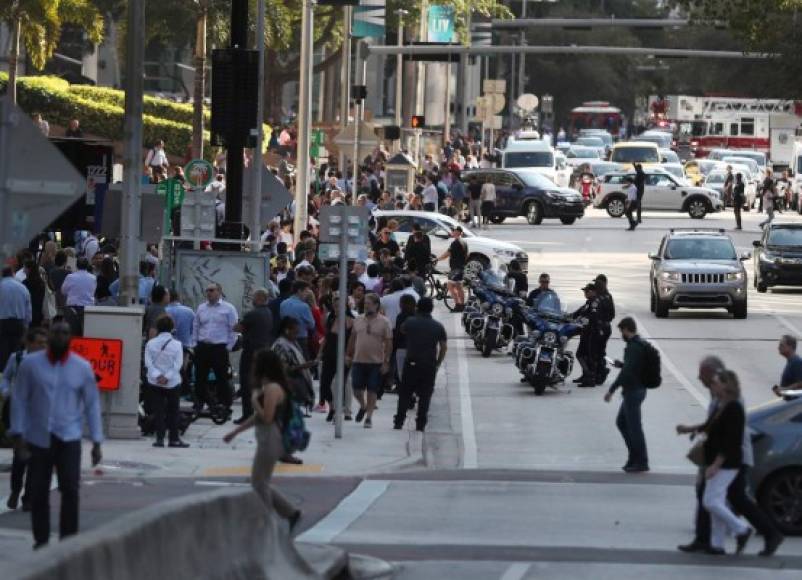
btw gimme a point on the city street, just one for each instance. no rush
(504, 484)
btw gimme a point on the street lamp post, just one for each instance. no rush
(258, 161)
(304, 117)
(399, 73)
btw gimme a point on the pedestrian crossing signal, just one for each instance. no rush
(418, 121)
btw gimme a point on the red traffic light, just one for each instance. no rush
(418, 121)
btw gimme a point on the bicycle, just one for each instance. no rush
(436, 289)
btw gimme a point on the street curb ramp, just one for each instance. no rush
(225, 534)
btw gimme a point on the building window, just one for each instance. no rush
(747, 126)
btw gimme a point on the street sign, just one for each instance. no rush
(37, 183)
(106, 357)
(497, 101)
(440, 21)
(494, 86)
(369, 19)
(494, 122)
(331, 252)
(275, 197)
(199, 173)
(198, 215)
(338, 219)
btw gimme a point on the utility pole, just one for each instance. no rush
(200, 79)
(345, 83)
(447, 118)
(258, 161)
(399, 75)
(522, 56)
(304, 117)
(359, 79)
(130, 225)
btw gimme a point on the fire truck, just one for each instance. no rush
(701, 124)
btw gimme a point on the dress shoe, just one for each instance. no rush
(39, 545)
(360, 415)
(179, 444)
(772, 543)
(158, 443)
(636, 468)
(579, 380)
(13, 500)
(348, 418)
(292, 460)
(330, 416)
(741, 540)
(693, 547)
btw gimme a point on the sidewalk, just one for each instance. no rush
(360, 451)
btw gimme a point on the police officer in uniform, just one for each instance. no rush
(606, 316)
(590, 338)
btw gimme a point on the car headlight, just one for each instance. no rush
(735, 276)
(768, 258)
(553, 195)
(498, 309)
(550, 338)
(670, 276)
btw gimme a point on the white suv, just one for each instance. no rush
(662, 191)
(482, 251)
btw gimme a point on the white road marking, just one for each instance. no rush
(516, 571)
(222, 484)
(702, 398)
(346, 513)
(469, 450)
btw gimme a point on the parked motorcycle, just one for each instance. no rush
(541, 356)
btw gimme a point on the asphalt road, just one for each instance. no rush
(523, 487)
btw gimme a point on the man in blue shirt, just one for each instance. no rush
(296, 307)
(15, 314)
(53, 391)
(184, 319)
(147, 278)
(35, 340)
(791, 379)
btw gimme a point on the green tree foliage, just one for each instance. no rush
(38, 24)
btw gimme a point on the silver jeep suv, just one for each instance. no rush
(698, 269)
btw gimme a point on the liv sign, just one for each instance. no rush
(440, 24)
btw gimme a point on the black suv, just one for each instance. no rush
(778, 256)
(524, 192)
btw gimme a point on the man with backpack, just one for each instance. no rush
(639, 371)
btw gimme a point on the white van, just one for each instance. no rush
(795, 165)
(533, 154)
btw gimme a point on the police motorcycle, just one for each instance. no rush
(492, 327)
(541, 356)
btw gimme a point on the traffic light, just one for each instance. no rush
(417, 122)
(359, 93)
(392, 132)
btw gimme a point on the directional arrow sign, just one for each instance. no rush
(275, 196)
(37, 183)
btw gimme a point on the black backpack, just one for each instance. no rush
(650, 373)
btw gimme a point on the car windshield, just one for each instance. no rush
(451, 223)
(590, 142)
(635, 154)
(785, 237)
(700, 249)
(583, 153)
(599, 169)
(715, 178)
(661, 140)
(669, 156)
(529, 159)
(756, 156)
(750, 163)
(606, 138)
(674, 170)
(707, 166)
(532, 179)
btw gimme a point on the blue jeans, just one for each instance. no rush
(631, 428)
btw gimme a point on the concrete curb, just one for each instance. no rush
(369, 568)
(225, 534)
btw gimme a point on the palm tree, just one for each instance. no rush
(38, 23)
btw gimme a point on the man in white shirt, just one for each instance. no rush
(429, 194)
(213, 335)
(164, 357)
(79, 287)
(632, 203)
(488, 201)
(156, 159)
